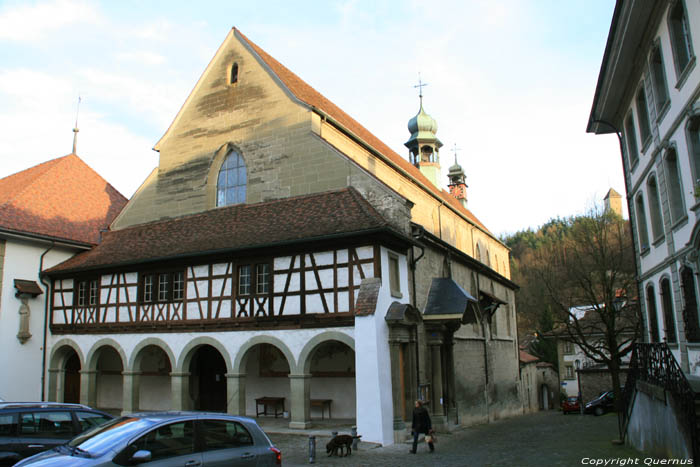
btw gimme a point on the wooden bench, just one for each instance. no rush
(274, 402)
(322, 403)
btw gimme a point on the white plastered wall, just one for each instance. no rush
(375, 412)
(21, 363)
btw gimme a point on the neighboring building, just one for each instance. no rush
(539, 384)
(647, 93)
(48, 213)
(575, 366)
(281, 251)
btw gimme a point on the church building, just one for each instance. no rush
(283, 257)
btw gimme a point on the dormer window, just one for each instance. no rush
(234, 74)
(231, 186)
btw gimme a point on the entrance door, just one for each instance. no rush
(211, 370)
(71, 382)
(545, 397)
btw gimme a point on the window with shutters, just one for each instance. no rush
(681, 43)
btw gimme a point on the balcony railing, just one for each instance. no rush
(655, 364)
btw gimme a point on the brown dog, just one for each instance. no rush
(342, 443)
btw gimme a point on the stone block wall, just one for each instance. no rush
(594, 382)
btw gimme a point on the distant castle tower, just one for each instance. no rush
(613, 202)
(458, 184)
(423, 145)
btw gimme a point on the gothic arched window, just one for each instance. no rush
(231, 185)
(234, 74)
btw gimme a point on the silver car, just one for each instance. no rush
(188, 439)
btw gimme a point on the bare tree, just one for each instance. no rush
(591, 266)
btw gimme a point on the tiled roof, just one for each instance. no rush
(310, 96)
(527, 358)
(62, 198)
(367, 297)
(241, 226)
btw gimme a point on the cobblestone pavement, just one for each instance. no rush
(540, 439)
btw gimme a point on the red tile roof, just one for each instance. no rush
(310, 96)
(527, 358)
(242, 226)
(62, 198)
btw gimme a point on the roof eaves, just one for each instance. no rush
(604, 69)
(56, 270)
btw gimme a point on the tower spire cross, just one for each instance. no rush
(420, 87)
(75, 129)
(454, 150)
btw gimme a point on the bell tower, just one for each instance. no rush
(423, 146)
(457, 181)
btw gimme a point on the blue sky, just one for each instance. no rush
(511, 83)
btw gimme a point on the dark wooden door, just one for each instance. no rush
(71, 383)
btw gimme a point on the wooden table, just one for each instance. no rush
(274, 402)
(323, 403)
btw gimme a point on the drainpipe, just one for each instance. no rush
(414, 261)
(46, 320)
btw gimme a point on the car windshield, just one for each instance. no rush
(100, 439)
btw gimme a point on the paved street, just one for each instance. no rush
(541, 439)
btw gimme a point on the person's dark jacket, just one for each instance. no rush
(421, 421)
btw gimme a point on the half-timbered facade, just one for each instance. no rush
(282, 255)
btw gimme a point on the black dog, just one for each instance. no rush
(340, 443)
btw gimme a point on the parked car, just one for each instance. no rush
(27, 428)
(570, 404)
(604, 403)
(166, 439)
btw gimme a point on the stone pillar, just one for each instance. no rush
(450, 376)
(88, 387)
(300, 407)
(131, 391)
(179, 387)
(235, 394)
(397, 386)
(437, 402)
(56, 378)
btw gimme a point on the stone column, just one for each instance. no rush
(88, 387)
(397, 386)
(179, 387)
(436, 404)
(235, 394)
(131, 391)
(450, 374)
(56, 378)
(300, 407)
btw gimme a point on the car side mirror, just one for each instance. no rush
(141, 456)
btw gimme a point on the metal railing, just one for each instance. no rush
(655, 364)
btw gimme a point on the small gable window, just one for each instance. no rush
(232, 181)
(234, 74)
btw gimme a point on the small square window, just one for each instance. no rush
(82, 289)
(93, 292)
(244, 280)
(394, 275)
(148, 288)
(163, 287)
(178, 285)
(262, 280)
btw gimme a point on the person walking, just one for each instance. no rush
(421, 424)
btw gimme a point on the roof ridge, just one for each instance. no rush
(298, 87)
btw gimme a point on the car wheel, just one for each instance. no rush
(599, 411)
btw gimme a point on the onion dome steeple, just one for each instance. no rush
(458, 181)
(423, 145)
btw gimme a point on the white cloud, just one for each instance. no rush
(33, 23)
